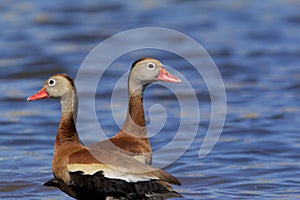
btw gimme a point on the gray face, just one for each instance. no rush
(58, 86)
(146, 71)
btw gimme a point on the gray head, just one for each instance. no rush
(148, 70)
(57, 86)
(62, 87)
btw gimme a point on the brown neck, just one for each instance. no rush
(67, 130)
(135, 120)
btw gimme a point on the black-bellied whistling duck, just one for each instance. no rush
(132, 139)
(86, 173)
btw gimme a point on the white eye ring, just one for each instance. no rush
(51, 82)
(150, 66)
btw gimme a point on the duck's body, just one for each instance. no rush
(132, 139)
(86, 173)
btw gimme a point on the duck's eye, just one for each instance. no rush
(150, 66)
(51, 82)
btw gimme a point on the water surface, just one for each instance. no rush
(255, 45)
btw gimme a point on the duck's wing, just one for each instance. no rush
(126, 144)
(114, 165)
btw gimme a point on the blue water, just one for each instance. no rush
(255, 45)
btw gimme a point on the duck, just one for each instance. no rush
(86, 173)
(132, 139)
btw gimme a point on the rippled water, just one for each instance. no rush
(255, 45)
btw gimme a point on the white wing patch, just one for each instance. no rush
(87, 169)
(142, 158)
(110, 171)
